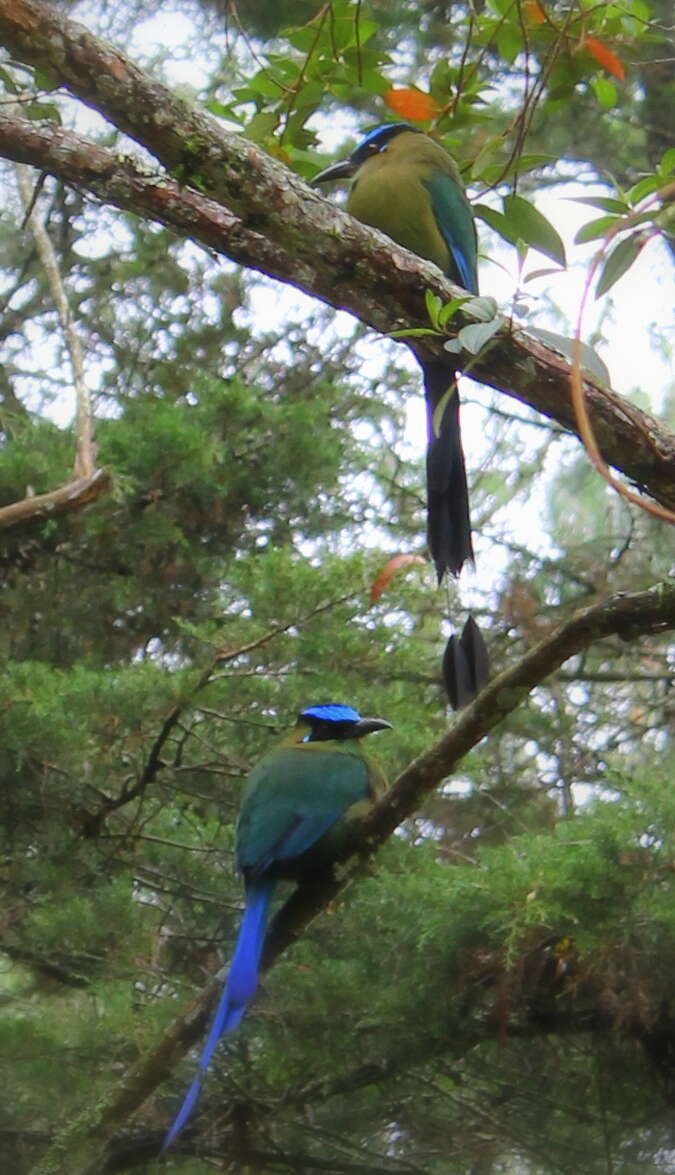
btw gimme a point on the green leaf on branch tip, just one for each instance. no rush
(604, 203)
(619, 262)
(536, 273)
(594, 229)
(644, 187)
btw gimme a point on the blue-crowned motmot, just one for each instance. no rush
(294, 816)
(408, 186)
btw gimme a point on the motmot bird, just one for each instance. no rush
(408, 186)
(295, 815)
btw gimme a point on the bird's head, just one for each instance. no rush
(374, 143)
(331, 721)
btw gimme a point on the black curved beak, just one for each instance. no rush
(343, 170)
(369, 726)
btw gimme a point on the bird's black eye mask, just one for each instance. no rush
(322, 731)
(379, 139)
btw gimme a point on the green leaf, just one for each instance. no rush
(496, 220)
(262, 126)
(605, 91)
(302, 39)
(474, 338)
(644, 187)
(481, 307)
(42, 111)
(509, 43)
(494, 145)
(10, 83)
(45, 80)
(434, 306)
(261, 83)
(594, 229)
(604, 203)
(373, 82)
(415, 332)
(535, 273)
(667, 164)
(450, 309)
(527, 222)
(590, 359)
(223, 111)
(619, 261)
(494, 173)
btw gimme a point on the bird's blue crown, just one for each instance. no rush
(385, 131)
(377, 139)
(331, 712)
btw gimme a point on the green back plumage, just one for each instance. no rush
(297, 800)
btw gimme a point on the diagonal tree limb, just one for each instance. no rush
(319, 248)
(80, 1146)
(627, 616)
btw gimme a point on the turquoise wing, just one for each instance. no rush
(454, 218)
(292, 798)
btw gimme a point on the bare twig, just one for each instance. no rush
(85, 452)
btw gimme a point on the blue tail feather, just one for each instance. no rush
(240, 988)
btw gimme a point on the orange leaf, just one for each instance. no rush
(535, 11)
(412, 103)
(604, 57)
(389, 569)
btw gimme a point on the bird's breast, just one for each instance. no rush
(391, 198)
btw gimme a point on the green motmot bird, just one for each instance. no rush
(408, 186)
(295, 814)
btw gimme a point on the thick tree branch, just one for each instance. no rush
(75, 495)
(277, 225)
(627, 616)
